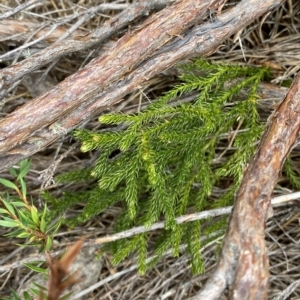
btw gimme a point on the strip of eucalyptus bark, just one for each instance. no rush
(79, 42)
(40, 122)
(243, 262)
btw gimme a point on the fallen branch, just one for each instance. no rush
(135, 58)
(243, 262)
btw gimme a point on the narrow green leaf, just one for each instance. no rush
(35, 268)
(28, 245)
(24, 168)
(24, 218)
(43, 219)
(11, 223)
(15, 296)
(14, 233)
(48, 243)
(43, 224)
(23, 235)
(27, 296)
(9, 218)
(40, 286)
(8, 183)
(3, 211)
(18, 204)
(13, 172)
(23, 187)
(44, 211)
(34, 215)
(32, 239)
(57, 226)
(67, 296)
(8, 206)
(35, 291)
(54, 228)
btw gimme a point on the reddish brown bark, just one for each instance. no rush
(243, 261)
(137, 56)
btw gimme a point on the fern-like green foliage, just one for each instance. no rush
(170, 157)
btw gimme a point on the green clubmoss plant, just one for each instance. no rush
(165, 161)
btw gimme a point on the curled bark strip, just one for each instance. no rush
(243, 262)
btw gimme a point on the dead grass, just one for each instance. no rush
(273, 41)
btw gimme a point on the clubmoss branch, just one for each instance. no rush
(168, 157)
